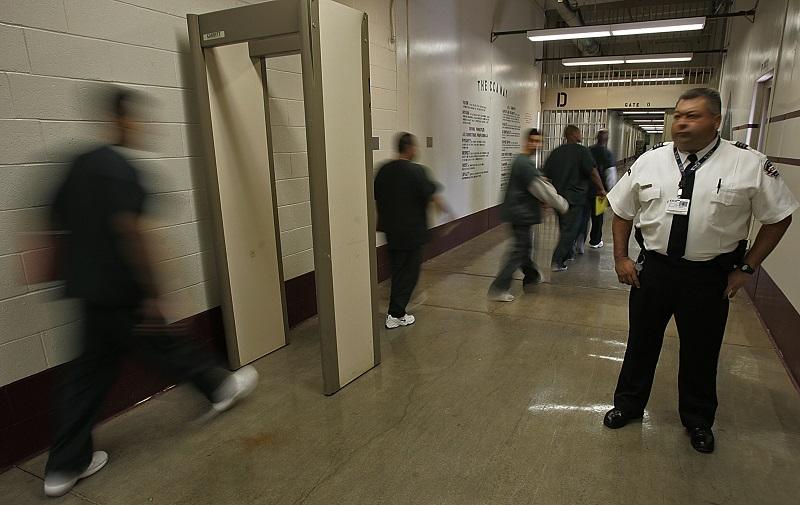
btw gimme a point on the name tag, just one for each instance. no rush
(679, 206)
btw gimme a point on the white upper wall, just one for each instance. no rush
(56, 53)
(772, 44)
(449, 51)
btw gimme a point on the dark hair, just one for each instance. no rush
(122, 101)
(404, 141)
(571, 130)
(531, 132)
(711, 95)
(601, 132)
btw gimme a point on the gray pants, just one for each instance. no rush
(518, 257)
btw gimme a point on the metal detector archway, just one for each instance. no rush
(229, 52)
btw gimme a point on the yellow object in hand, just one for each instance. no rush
(600, 204)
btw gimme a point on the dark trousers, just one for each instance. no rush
(694, 295)
(406, 264)
(569, 225)
(596, 235)
(583, 229)
(518, 257)
(108, 336)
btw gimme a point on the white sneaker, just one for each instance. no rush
(59, 484)
(597, 245)
(238, 385)
(501, 296)
(394, 322)
(559, 268)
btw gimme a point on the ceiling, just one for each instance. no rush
(594, 12)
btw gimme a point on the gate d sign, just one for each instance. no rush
(561, 100)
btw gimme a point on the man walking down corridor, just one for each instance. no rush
(572, 170)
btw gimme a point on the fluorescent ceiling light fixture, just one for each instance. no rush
(642, 112)
(605, 81)
(658, 79)
(597, 60)
(570, 33)
(659, 26)
(659, 58)
(636, 28)
(631, 58)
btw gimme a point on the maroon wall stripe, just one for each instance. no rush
(784, 117)
(26, 405)
(301, 298)
(745, 126)
(785, 161)
(780, 318)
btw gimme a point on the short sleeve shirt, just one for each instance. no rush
(733, 186)
(403, 191)
(570, 167)
(100, 186)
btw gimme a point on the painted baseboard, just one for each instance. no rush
(26, 405)
(780, 318)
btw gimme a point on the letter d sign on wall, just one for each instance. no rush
(561, 101)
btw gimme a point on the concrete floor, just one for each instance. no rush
(477, 403)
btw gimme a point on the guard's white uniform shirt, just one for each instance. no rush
(732, 185)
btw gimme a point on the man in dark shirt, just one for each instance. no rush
(604, 161)
(571, 169)
(403, 192)
(105, 264)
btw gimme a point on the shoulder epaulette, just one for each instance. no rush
(770, 169)
(660, 144)
(741, 145)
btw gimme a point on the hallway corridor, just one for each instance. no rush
(477, 403)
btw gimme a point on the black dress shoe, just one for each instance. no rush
(702, 439)
(616, 418)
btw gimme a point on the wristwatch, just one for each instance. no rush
(744, 267)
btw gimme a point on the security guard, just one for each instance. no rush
(694, 200)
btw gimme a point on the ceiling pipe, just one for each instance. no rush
(587, 47)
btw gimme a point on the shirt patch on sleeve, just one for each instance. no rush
(770, 169)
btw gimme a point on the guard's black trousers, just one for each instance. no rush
(694, 293)
(108, 336)
(406, 264)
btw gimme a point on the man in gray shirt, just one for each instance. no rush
(521, 208)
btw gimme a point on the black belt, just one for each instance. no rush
(681, 262)
(727, 261)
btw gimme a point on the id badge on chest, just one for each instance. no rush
(679, 206)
